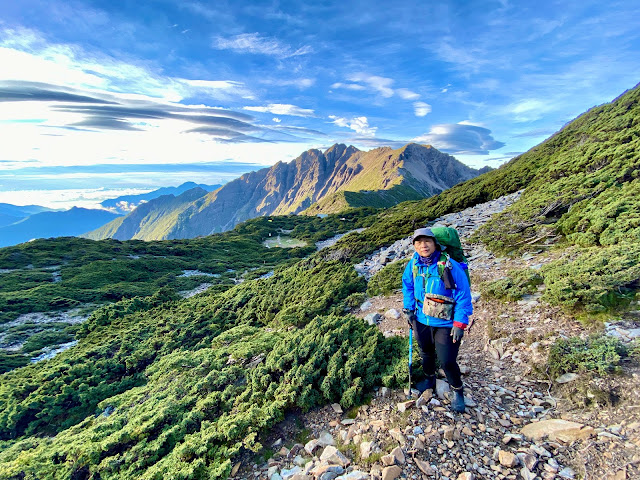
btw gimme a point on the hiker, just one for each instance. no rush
(437, 305)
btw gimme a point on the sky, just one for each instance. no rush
(111, 97)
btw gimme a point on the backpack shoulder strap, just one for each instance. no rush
(442, 263)
(444, 270)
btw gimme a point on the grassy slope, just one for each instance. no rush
(181, 409)
(106, 231)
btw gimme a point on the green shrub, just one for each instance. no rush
(9, 361)
(513, 286)
(599, 354)
(40, 340)
(354, 300)
(594, 279)
(387, 280)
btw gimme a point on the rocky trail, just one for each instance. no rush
(519, 423)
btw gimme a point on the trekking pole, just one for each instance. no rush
(410, 357)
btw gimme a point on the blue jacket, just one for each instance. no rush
(413, 294)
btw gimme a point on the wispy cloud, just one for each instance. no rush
(257, 44)
(69, 109)
(282, 109)
(407, 94)
(382, 85)
(360, 125)
(528, 109)
(300, 83)
(460, 138)
(421, 109)
(348, 86)
(34, 59)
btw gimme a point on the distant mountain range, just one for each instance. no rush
(151, 220)
(13, 213)
(127, 203)
(47, 224)
(315, 182)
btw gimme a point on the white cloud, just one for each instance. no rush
(300, 83)
(466, 58)
(218, 89)
(359, 125)
(528, 110)
(376, 84)
(254, 43)
(348, 86)
(460, 138)
(421, 109)
(29, 58)
(407, 94)
(276, 120)
(382, 85)
(283, 109)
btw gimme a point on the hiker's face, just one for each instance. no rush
(425, 246)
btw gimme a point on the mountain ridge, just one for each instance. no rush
(301, 186)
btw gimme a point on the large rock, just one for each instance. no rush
(442, 387)
(332, 455)
(366, 448)
(557, 429)
(507, 459)
(391, 473)
(372, 318)
(354, 475)
(424, 467)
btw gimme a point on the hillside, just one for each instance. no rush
(54, 224)
(341, 177)
(166, 387)
(152, 220)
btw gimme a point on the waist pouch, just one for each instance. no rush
(438, 306)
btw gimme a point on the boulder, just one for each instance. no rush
(557, 429)
(507, 459)
(333, 456)
(424, 467)
(391, 473)
(372, 318)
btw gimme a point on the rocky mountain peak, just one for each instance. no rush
(293, 187)
(339, 150)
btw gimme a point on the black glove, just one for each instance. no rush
(456, 333)
(410, 315)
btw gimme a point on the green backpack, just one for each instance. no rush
(449, 241)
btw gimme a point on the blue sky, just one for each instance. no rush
(101, 98)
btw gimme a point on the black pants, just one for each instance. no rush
(437, 341)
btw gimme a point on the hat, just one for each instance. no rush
(424, 232)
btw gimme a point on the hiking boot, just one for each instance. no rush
(457, 401)
(429, 383)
